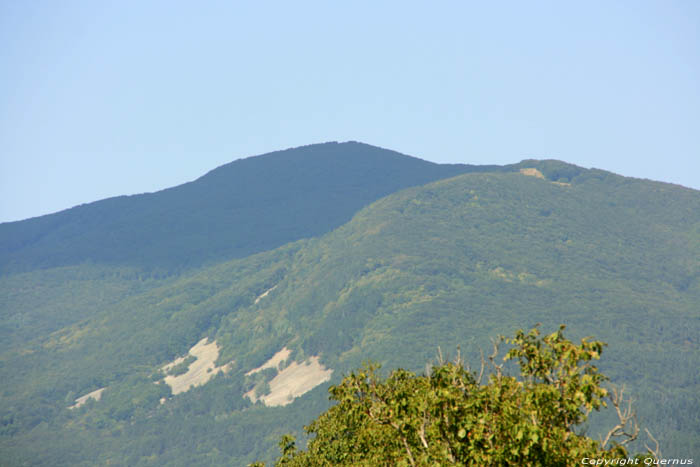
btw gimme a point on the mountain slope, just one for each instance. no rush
(450, 263)
(244, 207)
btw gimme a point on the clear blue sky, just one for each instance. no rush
(102, 98)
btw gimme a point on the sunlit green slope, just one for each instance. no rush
(132, 243)
(448, 264)
(241, 208)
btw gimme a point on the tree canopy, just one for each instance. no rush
(447, 416)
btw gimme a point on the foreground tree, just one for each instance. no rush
(450, 417)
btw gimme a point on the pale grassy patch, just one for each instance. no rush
(523, 277)
(376, 228)
(66, 337)
(532, 172)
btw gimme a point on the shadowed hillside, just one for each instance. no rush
(244, 207)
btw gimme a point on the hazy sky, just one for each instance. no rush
(102, 98)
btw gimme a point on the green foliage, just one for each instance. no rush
(41, 302)
(259, 382)
(448, 417)
(262, 389)
(182, 367)
(445, 264)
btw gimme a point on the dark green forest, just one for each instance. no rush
(244, 207)
(447, 264)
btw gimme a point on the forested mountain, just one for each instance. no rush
(244, 207)
(448, 263)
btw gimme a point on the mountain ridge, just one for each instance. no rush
(243, 207)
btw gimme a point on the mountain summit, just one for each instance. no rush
(244, 207)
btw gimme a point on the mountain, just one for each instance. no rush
(444, 264)
(244, 207)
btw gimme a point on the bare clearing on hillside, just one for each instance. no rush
(83, 399)
(273, 362)
(532, 172)
(294, 381)
(200, 371)
(264, 294)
